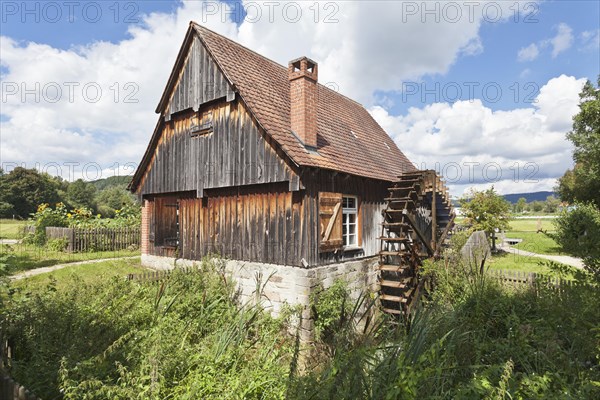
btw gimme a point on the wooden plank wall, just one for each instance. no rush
(370, 193)
(262, 223)
(200, 81)
(235, 153)
(268, 223)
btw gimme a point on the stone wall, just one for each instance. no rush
(286, 284)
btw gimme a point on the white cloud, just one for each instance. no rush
(472, 145)
(52, 111)
(361, 46)
(373, 45)
(563, 39)
(528, 53)
(525, 73)
(561, 42)
(590, 40)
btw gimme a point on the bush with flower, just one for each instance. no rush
(83, 217)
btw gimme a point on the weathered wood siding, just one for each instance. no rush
(267, 223)
(200, 81)
(263, 223)
(235, 153)
(370, 193)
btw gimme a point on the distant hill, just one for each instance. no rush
(534, 196)
(120, 181)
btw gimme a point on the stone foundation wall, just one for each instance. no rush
(286, 284)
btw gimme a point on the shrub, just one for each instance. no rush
(47, 216)
(578, 233)
(330, 308)
(59, 244)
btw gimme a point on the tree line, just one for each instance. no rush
(22, 190)
(551, 205)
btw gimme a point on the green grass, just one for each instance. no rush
(514, 262)
(88, 273)
(536, 243)
(9, 228)
(527, 229)
(25, 257)
(531, 225)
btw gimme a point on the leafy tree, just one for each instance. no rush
(520, 206)
(486, 211)
(578, 233)
(551, 204)
(536, 206)
(583, 182)
(114, 198)
(6, 210)
(24, 189)
(81, 194)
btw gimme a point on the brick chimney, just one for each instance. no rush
(303, 76)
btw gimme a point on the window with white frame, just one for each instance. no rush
(350, 220)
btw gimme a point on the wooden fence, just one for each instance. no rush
(96, 239)
(155, 276)
(9, 388)
(529, 278)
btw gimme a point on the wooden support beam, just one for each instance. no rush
(419, 233)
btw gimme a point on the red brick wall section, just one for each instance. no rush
(146, 213)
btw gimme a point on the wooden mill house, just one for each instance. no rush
(272, 170)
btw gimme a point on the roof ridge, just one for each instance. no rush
(202, 27)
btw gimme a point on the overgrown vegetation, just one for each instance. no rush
(185, 338)
(60, 216)
(189, 338)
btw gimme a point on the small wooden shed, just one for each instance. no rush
(260, 162)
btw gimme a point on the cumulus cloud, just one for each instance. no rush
(92, 103)
(473, 145)
(96, 101)
(528, 53)
(361, 46)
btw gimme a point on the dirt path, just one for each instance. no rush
(43, 270)
(568, 260)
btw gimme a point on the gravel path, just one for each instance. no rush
(10, 241)
(43, 270)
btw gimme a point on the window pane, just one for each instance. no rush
(351, 240)
(349, 203)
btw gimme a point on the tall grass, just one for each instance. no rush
(184, 338)
(474, 339)
(189, 338)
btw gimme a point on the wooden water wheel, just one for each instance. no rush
(416, 224)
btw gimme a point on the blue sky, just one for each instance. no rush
(395, 58)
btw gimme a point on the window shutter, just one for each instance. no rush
(330, 221)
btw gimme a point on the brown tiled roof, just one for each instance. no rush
(348, 138)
